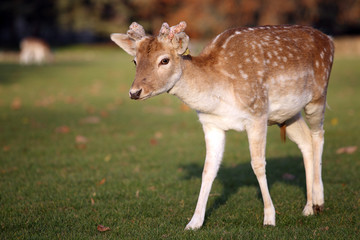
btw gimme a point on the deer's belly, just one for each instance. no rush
(234, 121)
(282, 108)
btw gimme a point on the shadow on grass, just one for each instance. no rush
(234, 177)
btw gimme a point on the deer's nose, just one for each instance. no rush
(135, 94)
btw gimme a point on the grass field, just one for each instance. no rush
(75, 153)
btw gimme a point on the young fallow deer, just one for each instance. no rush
(35, 50)
(245, 79)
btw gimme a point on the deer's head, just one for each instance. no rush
(157, 59)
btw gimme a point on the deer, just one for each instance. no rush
(34, 50)
(245, 79)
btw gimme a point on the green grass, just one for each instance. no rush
(139, 172)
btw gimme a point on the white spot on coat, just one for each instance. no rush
(243, 74)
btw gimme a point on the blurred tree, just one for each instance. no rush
(93, 16)
(68, 21)
(20, 18)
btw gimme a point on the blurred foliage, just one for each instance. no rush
(99, 16)
(62, 21)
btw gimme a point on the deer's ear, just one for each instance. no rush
(125, 42)
(180, 42)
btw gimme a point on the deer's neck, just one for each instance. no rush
(197, 86)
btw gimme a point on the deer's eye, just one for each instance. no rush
(164, 61)
(134, 61)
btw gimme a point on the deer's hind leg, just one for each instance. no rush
(256, 132)
(298, 132)
(314, 113)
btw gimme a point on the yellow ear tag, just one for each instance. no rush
(187, 52)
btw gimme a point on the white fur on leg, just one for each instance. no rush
(215, 143)
(318, 189)
(308, 210)
(299, 133)
(318, 194)
(269, 216)
(195, 223)
(257, 141)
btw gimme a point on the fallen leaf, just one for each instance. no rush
(90, 110)
(90, 120)
(107, 158)
(334, 122)
(95, 88)
(16, 104)
(45, 102)
(102, 228)
(69, 100)
(348, 150)
(184, 107)
(153, 141)
(104, 114)
(119, 101)
(101, 182)
(6, 148)
(81, 146)
(288, 176)
(158, 135)
(62, 129)
(92, 201)
(81, 139)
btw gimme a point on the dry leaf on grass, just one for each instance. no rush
(16, 104)
(348, 150)
(69, 100)
(153, 142)
(107, 158)
(81, 139)
(62, 129)
(102, 228)
(184, 108)
(6, 148)
(101, 182)
(158, 135)
(80, 142)
(80, 146)
(90, 120)
(104, 114)
(334, 121)
(90, 110)
(45, 102)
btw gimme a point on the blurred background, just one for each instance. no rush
(62, 22)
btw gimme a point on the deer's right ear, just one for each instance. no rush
(125, 42)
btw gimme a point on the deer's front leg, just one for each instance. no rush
(215, 142)
(257, 142)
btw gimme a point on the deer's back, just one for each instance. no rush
(272, 67)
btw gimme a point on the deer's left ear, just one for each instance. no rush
(180, 42)
(125, 42)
